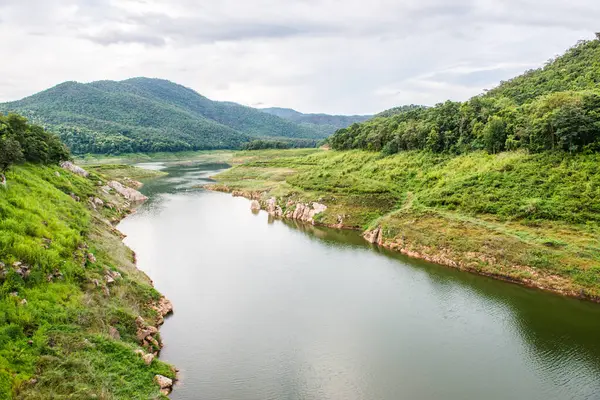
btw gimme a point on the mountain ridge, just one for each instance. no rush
(148, 115)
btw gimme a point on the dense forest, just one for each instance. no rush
(263, 144)
(23, 142)
(556, 107)
(148, 115)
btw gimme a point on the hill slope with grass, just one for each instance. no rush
(70, 293)
(148, 115)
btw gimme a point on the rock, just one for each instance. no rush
(307, 212)
(132, 183)
(374, 236)
(98, 202)
(91, 258)
(95, 282)
(106, 291)
(140, 352)
(255, 205)
(57, 174)
(139, 321)
(127, 192)
(148, 358)
(109, 279)
(164, 307)
(69, 166)
(23, 302)
(145, 332)
(163, 382)
(114, 333)
(75, 197)
(2, 180)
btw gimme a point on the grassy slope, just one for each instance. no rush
(60, 335)
(527, 218)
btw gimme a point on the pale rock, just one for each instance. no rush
(148, 358)
(163, 382)
(374, 236)
(255, 205)
(69, 166)
(127, 192)
(91, 258)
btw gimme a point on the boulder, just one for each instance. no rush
(374, 236)
(255, 205)
(307, 212)
(91, 258)
(98, 202)
(127, 192)
(69, 166)
(163, 382)
(148, 358)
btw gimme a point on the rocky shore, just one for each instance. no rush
(309, 212)
(125, 196)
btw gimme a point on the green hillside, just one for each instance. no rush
(556, 107)
(325, 123)
(148, 115)
(66, 330)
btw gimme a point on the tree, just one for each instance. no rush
(10, 153)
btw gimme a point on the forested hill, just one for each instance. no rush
(556, 107)
(325, 123)
(148, 115)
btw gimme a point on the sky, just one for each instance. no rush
(332, 56)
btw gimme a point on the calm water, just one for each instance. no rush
(272, 310)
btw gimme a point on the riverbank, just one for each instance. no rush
(527, 219)
(73, 305)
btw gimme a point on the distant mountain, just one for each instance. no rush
(146, 115)
(325, 123)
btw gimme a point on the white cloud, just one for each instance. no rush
(313, 55)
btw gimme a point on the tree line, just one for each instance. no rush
(554, 108)
(24, 142)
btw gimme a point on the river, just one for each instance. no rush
(275, 310)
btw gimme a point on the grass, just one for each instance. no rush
(131, 158)
(530, 218)
(124, 171)
(54, 323)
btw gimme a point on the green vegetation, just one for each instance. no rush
(20, 142)
(148, 115)
(65, 330)
(556, 107)
(530, 218)
(214, 156)
(54, 320)
(279, 144)
(324, 123)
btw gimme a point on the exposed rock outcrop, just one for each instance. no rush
(374, 236)
(127, 192)
(306, 212)
(69, 166)
(273, 209)
(165, 384)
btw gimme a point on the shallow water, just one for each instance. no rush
(275, 310)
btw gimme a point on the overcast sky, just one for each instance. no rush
(334, 56)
